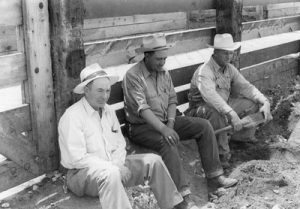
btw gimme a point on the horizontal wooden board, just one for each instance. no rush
(202, 18)
(13, 69)
(282, 9)
(262, 28)
(10, 12)
(262, 55)
(115, 52)
(11, 175)
(139, 28)
(16, 141)
(8, 39)
(252, 13)
(130, 20)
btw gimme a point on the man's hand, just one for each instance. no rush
(265, 109)
(125, 173)
(235, 121)
(169, 135)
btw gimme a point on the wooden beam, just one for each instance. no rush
(282, 9)
(140, 28)
(10, 12)
(67, 50)
(16, 138)
(262, 28)
(8, 39)
(229, 20)
(11, 175)
(202, 18)
(268, 48)
(252, 13)
(13, 69)
(114, 52)
(36, 24)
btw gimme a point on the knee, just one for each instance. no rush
(111, 174)
(153, 159)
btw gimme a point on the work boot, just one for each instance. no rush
(187, 203)
(222, 181)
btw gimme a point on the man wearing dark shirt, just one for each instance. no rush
(150, 105)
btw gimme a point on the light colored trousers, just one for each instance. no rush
(106, 182)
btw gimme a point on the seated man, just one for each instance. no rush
(93, 150)
(150, 104)
(213, 84)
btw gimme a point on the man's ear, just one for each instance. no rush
(86, 89)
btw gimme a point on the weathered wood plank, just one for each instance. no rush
(114, 52)
(10, 12)
(202, 18)
(8, 39)
(229, 20)
(252, 13)
(11, 174)
(130, 20)
(13, 69)
(283, 9)
(268, 48)
(16, 138)
(262, 28)
(40, 79)
(113, 8)
(139, 28)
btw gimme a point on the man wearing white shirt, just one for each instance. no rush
(93, 150)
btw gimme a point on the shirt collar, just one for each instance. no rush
(146, 72)
(89, 109)
(215, 65)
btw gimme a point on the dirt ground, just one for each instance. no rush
(269, 178)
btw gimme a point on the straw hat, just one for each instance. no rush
(225, 42)
(155, 42)
(91, 73)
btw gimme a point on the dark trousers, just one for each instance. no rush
(187, 128)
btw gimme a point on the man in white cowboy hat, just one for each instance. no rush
(210, 95)
(93, 149)
(150, 105)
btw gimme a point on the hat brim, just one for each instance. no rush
(234, 47)
(143, 49)
(79, 89)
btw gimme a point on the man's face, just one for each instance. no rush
(223, 57)
(156, 60)
(97, 92)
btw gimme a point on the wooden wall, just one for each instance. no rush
(28, 130)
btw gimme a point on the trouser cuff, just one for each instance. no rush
(185, 191)
(214, 174)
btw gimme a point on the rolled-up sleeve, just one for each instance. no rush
(172, 95)
(206, 85)
(134, 93)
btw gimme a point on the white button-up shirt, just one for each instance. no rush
(87, 140)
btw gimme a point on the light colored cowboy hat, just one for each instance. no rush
(91, 73)
(155, 42)
(225, 42)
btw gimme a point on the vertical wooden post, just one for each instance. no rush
(229, 20)
(67, 51)
(39, 69)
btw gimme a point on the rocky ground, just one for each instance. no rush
(268, 171)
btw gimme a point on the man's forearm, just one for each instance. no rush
(151, 119)
(172, 112)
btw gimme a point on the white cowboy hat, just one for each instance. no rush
(155, 42)
(225, 42)
(91, 73)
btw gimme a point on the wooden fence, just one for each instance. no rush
(79, 36)
(27, 130)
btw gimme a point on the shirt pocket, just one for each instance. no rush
(223, 83)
